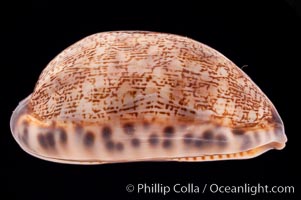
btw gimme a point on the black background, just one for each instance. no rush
(260, 34)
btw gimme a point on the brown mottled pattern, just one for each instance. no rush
(131, 75)
(140, 96)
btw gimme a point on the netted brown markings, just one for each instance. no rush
(170, 38)
(198, 60)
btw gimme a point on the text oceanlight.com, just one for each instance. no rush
(192, 188)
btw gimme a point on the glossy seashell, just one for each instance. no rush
(129, 96)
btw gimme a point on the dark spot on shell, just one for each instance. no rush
(208, 135)
(166, 144)
(62, 136)
(50, 139)
(135, 142)
(188, 139)
(129, 128)
(42, 141)
(246, 142)
(89, 139)
(221, 140)
(153, 139)
(238, 131)
(110, 145)
(199, 142)
(106, 132)
(169, 131)
(119, 146)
